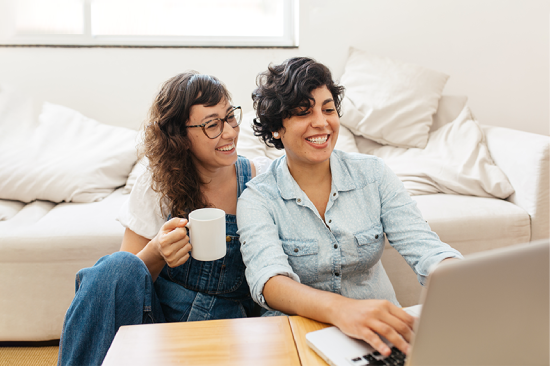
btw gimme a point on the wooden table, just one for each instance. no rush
(251, 341)
(300, 327)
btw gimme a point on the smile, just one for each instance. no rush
(226, 147)
(318, 139)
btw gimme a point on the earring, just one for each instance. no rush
(275, 134)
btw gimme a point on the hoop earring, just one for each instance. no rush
(275, 134)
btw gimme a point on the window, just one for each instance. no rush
(162, 23)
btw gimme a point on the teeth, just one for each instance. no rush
(318, 140)
(227, 147)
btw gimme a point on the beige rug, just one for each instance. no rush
(27, 356)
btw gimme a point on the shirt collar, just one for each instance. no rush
(289, 189)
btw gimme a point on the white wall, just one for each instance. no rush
(496, 52)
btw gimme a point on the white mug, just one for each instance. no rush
(207, 234)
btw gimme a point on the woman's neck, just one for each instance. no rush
(219, 187)
(310, 175)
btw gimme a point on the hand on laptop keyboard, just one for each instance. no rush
(366, 319)
(396, 358)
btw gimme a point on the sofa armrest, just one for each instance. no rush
(524, 158)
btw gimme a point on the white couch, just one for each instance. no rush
(44, 244)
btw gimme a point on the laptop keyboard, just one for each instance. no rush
(396, 358)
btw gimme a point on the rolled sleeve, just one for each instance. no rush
(430, 260)
(261, 248)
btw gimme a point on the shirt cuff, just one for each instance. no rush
(263, 277)
(429, 262)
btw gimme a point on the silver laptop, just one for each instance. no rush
(492, 308)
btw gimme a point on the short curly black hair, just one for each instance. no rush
(285, 87)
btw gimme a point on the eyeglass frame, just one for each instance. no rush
(224, 120)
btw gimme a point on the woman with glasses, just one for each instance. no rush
(190, 142)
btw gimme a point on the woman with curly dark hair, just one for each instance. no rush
(190, 143)
(323, 215)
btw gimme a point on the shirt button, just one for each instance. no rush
(244, 242)
(228, 238)
(334, 195)
(376, 236)
(296, 250)
(329, 221)
(337, 274)
(335, 246)
(299, 200)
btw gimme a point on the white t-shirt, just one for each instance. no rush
(141, 213)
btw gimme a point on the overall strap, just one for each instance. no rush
(244, 173)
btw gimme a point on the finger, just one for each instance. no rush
(174, 259)
(174, 236)
(374, 340)
(182, 256)
(402, 315)
(178, 249)
(402, 328)
(391, 335)
(173, 224)
(169, 250)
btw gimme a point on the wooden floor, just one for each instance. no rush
(29, 353)
(27, 356)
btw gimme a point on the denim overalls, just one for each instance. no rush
(199, 290)
(118, 290)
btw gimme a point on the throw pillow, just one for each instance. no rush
(388, 101)
(69, 158)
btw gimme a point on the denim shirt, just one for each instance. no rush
(282, 233)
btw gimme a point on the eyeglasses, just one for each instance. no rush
(214, 127)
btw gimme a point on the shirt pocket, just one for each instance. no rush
(370, 245)
(303, 257)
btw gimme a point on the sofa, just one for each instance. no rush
(46, 238)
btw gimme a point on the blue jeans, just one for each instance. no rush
(116, 291)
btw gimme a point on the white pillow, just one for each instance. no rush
(68, 158)
(456, 160)
(388, 101)
(252, 146)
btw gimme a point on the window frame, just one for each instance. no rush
(290, 38)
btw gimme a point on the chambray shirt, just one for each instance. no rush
(282, 233)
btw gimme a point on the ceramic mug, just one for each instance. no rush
(207, 234)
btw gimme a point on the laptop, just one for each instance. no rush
(492, 308)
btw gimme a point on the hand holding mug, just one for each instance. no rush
(173, 243)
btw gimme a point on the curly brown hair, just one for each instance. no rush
(285, 87)
(166, 143)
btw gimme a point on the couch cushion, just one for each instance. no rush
(484, 223)
(9, 209)
(43, 231)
